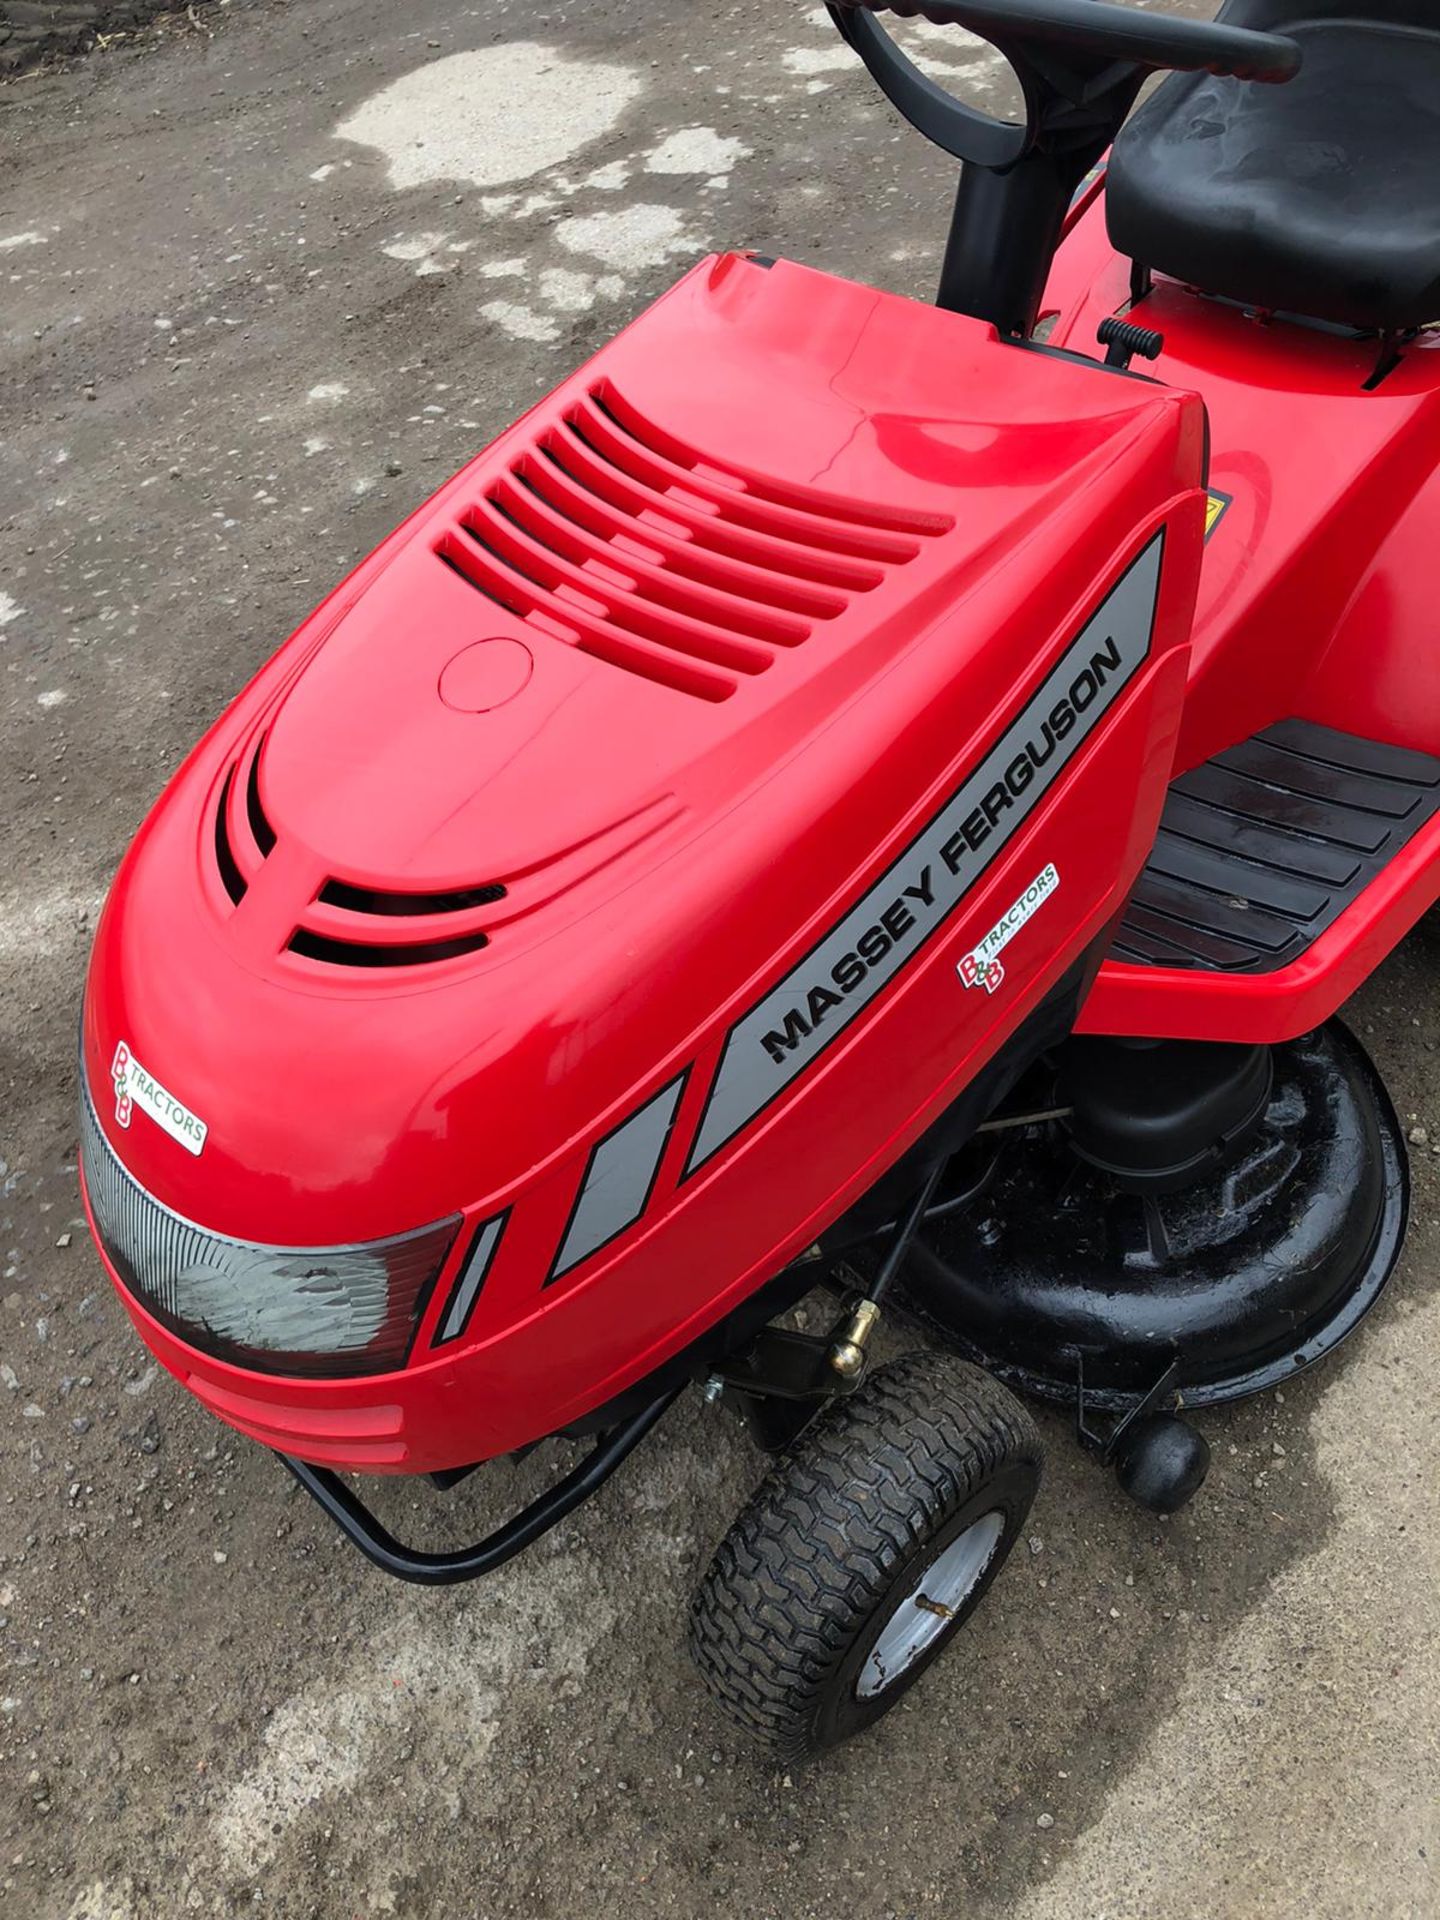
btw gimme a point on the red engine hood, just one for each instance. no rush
(591, 741)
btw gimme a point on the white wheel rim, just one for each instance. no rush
(931, 1606)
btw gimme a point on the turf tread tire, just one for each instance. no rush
(862, 1494)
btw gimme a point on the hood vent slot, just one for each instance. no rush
(357, 953)
(244, 837)
(402, 929)
(231, 878)
(339, 893)
(261, 828)
(612, 536)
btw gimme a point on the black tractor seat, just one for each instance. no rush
(1319, 198)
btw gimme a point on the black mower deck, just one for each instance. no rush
(1263, 847)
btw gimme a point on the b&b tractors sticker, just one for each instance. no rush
(982, 966)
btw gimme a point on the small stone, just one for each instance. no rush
(1036, 1544)
(393, 467)
(81, 1423)
(1418, 1136)
(1045, 1822)
(63, 1241)
(220, 1558)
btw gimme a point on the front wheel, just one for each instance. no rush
(864, 1551)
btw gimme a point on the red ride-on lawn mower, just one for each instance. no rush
(844, 791)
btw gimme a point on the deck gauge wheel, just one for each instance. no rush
(864, 1551)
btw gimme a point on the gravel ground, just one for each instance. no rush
(238, 345)
(36, 30)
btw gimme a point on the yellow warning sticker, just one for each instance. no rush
(1215, 505)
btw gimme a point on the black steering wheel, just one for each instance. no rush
(1074, 52)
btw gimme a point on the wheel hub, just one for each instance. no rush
(931, 1606)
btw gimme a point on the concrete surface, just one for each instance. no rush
(262, 292)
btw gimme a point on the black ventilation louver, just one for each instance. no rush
(612, 536)
(339, 893)
(343, 940)
(341, 924)
(363, 953)
(244, 837)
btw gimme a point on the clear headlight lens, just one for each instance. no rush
(308, 1310)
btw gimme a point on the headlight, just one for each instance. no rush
(309, 1310)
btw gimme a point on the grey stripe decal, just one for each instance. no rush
(472, 1278)
(786, 1031)
(619, 1179)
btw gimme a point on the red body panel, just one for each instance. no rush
(847, 538)
(1315, 599)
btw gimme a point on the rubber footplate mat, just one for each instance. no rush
(1263, 847)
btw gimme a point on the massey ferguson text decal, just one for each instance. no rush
(135, 1087)
(783, 1033)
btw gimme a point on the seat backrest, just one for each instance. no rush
(1319, 198)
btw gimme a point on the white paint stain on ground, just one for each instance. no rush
(570, 292)
(10, 609)
(492, 115)
(807, 60)
(52, 697)
(414, 246)
(429, 252)
(629, 239)
(456, 1679)
(943, 53)
(30, 238)
(504, 269)
(609, 178)
(327, 392)
(520, 322)
(695, 150)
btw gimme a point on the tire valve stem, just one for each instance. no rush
(847, 1356)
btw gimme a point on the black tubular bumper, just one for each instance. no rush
(382, 1549)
